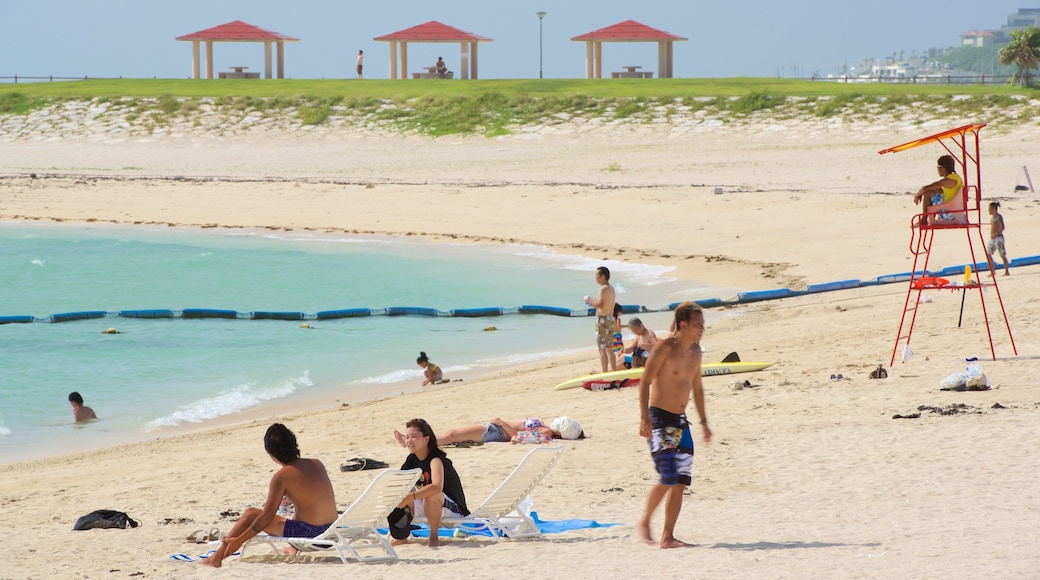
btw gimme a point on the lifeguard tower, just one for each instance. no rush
(962, 214)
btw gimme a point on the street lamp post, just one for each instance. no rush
(540, 16)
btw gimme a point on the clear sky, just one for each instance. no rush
(135, 38)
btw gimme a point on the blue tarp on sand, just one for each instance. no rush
(546, 527)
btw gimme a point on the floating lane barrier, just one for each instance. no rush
(343, 313)
(411, 311)
(477, 312)
(67, 316)
(759, 295)
(831, 286)
(703, 303)
(153, 313)
(743, 297)
(262, 315)
(535, 309)
(1025, 261)
(208, 313)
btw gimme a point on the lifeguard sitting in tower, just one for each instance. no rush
(944, 198)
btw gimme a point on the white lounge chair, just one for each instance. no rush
(501, 513)
(355, 529)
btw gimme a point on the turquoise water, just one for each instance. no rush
(156, 376)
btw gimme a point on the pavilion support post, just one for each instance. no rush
(196, 68)
(267, 59)
(599, 60)
(404, 60)
(664, 59)
(464, 60)
(209, 59)
(473, 46)
(393, 60)
(281, 59)
(589, 59)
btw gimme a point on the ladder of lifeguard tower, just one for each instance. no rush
(965, 217)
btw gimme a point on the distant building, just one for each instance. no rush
(978, 38)
(1024, 18)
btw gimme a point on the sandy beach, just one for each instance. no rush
(806, 477)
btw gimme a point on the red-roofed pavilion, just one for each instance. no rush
(237, 31)
(627, 31)
(432, 31)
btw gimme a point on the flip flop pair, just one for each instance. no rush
(363, 464)
(203, 536)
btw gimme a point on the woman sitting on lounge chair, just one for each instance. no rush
(439, 491)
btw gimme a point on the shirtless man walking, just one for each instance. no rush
(304, 481)
(604, 305)
(672, 372)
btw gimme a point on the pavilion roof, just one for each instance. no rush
(630, 31)
(433, 31)
(237, 30)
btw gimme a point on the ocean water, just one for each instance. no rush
(159, 376)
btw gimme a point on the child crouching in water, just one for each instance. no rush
(432, 373)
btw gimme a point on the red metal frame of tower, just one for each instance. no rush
(962, 143)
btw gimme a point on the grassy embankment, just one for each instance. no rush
(491, 107)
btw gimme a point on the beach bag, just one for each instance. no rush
(400, 521)
(104, 519)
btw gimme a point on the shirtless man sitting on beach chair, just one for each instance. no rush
(304, 481)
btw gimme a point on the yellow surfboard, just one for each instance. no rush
(707, 370)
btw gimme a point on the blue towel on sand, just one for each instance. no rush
(546, 527)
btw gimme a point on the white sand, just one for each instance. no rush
(807, 477)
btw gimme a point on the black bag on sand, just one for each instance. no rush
(400, 521)
(104, 519)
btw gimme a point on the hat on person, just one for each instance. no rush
(567, 428)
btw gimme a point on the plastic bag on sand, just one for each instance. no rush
(972, 373)
(907, 353)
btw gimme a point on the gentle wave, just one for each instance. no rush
(404, 375)
(645, 274)
(4, 431)
(234, 401)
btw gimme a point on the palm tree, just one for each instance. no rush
(1023, 52)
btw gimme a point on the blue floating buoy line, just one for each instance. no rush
(741, 298)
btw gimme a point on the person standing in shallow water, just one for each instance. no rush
(672, 375)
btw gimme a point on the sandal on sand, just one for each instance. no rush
(215, 535)
(363, 464)
(198, 537)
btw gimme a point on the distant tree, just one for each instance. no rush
(1024, 53)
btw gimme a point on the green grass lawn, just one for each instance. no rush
(410, 89)
(492, 107)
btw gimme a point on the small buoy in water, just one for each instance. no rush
(110, 331)
(489, 328)
(305, 325)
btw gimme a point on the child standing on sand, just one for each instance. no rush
(996, 238)
(619, 343)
